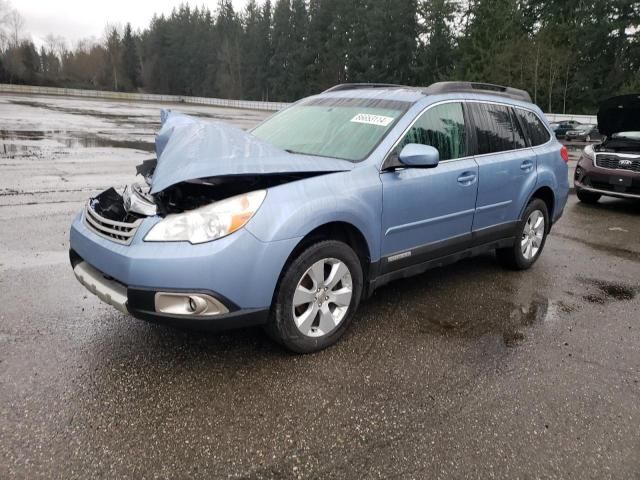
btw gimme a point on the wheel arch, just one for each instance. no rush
(545, 193)
(338, 230)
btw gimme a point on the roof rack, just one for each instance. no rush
(355, 86)
(477, 87)
(444, 87)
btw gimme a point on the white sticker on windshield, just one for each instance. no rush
(379, 120)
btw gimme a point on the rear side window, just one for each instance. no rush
(533, 127)
(441, 127)
(495, 128)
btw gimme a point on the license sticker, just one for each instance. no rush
(379, 120)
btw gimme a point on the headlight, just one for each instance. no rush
(589, 153)
(209, 222)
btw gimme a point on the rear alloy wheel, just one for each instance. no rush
(317, 297)
(586, 196)
(532, 235)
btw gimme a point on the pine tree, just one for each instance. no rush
(281, 58)
(437, 51)
(130, 62)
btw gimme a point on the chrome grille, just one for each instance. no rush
(615, 162)
(120, 232)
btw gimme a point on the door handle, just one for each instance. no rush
(467, 178)
(527, 166)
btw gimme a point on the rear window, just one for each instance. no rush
(345, 128)
(495, 128)
(533, 127)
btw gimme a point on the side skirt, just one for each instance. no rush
(440, 254)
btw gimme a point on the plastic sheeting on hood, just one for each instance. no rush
(619, 114)
(188, 149)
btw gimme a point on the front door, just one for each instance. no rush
(428, 213)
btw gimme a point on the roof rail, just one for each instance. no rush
(477, 87)
(355, 86)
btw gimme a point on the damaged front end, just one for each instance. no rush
(211, 173)
(117, 215)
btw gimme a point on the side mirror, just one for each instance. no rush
(419, 156)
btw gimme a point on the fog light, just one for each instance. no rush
(192, 304)
(188, 304)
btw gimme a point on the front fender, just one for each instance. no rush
(294, 209)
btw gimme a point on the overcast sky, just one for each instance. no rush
(76, 19)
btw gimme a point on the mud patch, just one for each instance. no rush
(617, 292)
(608, 291)
(592, 298)
(609, 249)
(566, 307)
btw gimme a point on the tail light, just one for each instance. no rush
(564, 153)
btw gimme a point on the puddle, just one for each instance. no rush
(18, 141)
(503, 318)
(608, 291)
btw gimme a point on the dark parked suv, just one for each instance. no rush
(612, 168)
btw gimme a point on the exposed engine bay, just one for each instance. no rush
(200, 162)
(136, 201)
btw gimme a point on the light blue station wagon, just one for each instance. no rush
(292, 224)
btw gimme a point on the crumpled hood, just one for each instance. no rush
(619, 114)
(188, 149)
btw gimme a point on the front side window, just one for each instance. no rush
(533, 127)
(495, 128)
(345, 128)
(441, 127)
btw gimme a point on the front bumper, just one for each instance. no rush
(610, 182)
(239, 271)
(141, 304)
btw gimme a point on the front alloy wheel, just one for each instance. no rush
(317, 296)
(322, 297)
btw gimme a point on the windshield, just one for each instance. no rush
(345, 128)
(584, 128)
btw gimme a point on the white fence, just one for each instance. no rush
(218, 102)
(146, 97)
(560, 117)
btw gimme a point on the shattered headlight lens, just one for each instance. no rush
(208, 223)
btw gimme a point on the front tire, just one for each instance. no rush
(530, 239)
(586, 196)
(317, 297)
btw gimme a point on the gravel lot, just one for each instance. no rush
(468, 371)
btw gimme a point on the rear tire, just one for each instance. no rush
(317, 297)
(588, 197)
(530, 239)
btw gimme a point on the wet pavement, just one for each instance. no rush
(468, 371)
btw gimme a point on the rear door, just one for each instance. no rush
(428, 212)
(507, 169)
